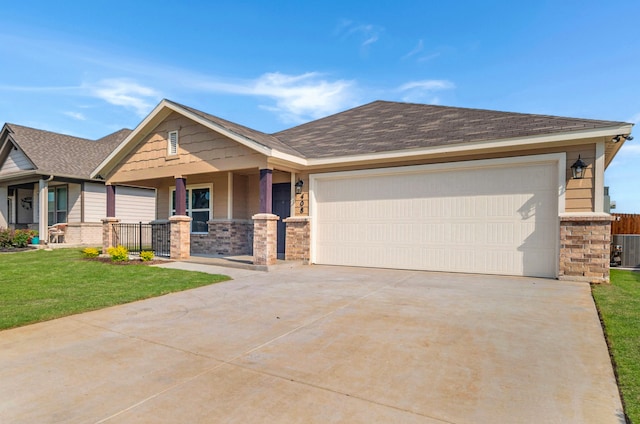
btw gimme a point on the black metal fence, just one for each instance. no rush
(155, 237)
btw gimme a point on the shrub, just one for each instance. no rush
(21, 238)
(118, 254)
(6, 237)
(15, 238)
(146, 255)
(90, 252)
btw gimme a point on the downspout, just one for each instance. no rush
(43, 198)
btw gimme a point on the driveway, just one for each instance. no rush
(321, 344)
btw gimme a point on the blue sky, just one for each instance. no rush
(91, 70)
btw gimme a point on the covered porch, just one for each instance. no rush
(52, 206)
(225, 215)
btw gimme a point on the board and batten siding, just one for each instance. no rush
(16, 161)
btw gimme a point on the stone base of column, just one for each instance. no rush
(265, 239)
(585, 243)
(180, 237)
(109, 238)
(298, 239)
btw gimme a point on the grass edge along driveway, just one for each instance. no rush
(42, 285)
(619, 308)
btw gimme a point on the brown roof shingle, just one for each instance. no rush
(384, 126)
(61, 154)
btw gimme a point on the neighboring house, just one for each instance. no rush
(387, 184)
(45, 180)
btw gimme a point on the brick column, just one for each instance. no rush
(180, 237)
(298, 239)
(585, 247)
(265, 239)
(108, 238)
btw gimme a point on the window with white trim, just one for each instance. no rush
(172, 145)
(199, 206)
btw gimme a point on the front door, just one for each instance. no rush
(281, 195)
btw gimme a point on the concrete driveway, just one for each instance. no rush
(321, 344)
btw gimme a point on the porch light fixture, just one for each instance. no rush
(299, 185)
(577, 169)
(619, 137)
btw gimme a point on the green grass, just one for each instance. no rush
(619, 306)
(42, 285)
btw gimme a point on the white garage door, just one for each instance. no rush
(493, 220)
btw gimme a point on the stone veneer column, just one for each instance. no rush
(585, 247)
(298, 239)
(108, 238)
(180, 237)
(265, 239)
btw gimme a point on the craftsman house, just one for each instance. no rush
(386, 184)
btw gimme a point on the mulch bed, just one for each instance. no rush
(130, 262)
(15, 249)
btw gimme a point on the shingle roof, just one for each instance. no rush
(251, 134)
(384, 126)
(61, 154)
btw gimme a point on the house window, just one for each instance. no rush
(57, 205)
(172, 148)
(198, 206)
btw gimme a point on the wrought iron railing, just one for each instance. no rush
(155, 237)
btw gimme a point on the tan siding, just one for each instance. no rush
(200, 150)
(579, 194)
(253, 195)
(301, 206)
(220, 190)
(16, 161)
(74, 207)
(95, 202)
(240, 184)
(163, 202)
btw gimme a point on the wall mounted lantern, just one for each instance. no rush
(299, 185)
(577, 169)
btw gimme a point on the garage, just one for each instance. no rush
(488, 216)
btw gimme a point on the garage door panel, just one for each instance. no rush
(500, 220)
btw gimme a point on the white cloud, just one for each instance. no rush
(367, 33)
(75, 115)
(635, 118)
(417, 49)
(126, 93)
(423, 91)
(297, 97)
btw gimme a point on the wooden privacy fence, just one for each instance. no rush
(625, 223)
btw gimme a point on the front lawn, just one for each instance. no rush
(619, 306)
(42, 285)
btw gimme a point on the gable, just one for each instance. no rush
(199, 150)
(15, 161)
